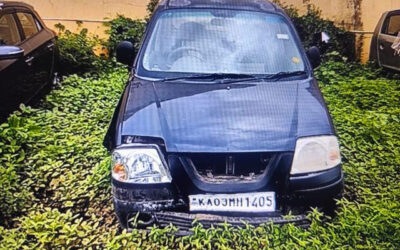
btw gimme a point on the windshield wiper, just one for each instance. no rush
(281, 75)
(213, 76)
(227, 78)
(276, 76)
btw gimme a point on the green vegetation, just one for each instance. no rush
(151, 6)
(124, 29)
(48, 154)
(311, 24)
(54, 172)
(76, 52)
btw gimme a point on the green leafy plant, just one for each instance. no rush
(124, 29)
(76, 52)
(310, 25)
(151, 6)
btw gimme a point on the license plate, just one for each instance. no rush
(245, 202)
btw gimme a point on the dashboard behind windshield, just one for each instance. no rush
(221, 41)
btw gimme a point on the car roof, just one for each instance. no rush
(254, 5)
(4, 4)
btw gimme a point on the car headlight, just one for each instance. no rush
(139, 165)
(316, 154)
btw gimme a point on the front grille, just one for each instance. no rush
(220, 167)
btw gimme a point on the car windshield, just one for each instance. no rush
(221, 41)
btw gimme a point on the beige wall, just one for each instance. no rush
(93, 12)
(355, 15)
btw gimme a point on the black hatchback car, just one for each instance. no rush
(222, 120)
(27, 55)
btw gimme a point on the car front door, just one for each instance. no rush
(12, 72)
(388, 57)
(39, 53)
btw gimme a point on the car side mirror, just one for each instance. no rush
(314, 55)
(10, 52)
(125, 53)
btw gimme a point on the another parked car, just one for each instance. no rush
(27, 55)
(222, 120)
(385, 46)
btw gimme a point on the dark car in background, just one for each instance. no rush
(28, 56)
(222, 120)
(385, 46)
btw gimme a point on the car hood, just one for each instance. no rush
(239, 117)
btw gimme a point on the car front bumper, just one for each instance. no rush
(317, 185)
(162, 204)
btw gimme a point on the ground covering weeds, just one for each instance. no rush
(55, 186)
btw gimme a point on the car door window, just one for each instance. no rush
(29, 24)
(9, 34)
(392, 25)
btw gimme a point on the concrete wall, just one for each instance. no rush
(355, 15)
(91, 12)
(360, 16)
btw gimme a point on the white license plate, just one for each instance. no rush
(245, 202)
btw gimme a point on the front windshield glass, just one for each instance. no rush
(221, 41)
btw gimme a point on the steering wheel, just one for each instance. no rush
(184, 51)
